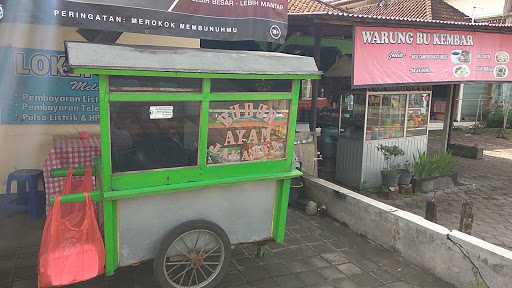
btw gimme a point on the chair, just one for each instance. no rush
(28, 198)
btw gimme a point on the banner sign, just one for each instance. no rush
(260, 20)
(384, 56)
(36, 90)
(247, 131)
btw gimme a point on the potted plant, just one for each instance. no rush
(391, 173)
(406, 173)
(436, 171)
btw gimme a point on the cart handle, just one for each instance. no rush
(63, 172)
(77, 198)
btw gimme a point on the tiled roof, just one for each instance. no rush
(493, 20)
(411, 9)
(309, 6)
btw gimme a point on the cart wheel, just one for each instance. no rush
(194, 254)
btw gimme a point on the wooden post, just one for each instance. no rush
(448, 119)
(431, 210)
(315, 83)
(466, 217)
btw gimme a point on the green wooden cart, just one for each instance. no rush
(196, 153)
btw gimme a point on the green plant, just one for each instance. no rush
(423, 166)
(439, 164)
(390, 154)
(444, 163)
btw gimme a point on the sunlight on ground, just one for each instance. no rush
(499, 153)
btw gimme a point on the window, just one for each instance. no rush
(385, 116)
(228, 85)
(154, 84)
(417, 114)
(147, 136)
(247, 131)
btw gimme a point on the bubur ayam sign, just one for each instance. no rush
(260, 20)
(386, 55)
(247, 131)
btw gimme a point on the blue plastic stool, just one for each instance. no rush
(28, 198)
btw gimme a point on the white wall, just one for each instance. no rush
(26, 146)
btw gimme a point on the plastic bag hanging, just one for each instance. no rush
(72, 247)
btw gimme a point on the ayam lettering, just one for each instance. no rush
(42, 65)
(395, 37)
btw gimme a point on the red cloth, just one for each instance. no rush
(68, 152)
(72, 247)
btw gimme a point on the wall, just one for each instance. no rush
(444, 252)
(26, 146)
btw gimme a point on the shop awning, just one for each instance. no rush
(117, 57)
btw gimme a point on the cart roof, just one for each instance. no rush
(143, 58)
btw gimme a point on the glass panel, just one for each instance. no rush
(148, 136)
(154, 84)
(352, 116)
(247, 131)
(228, 85)
(386, 116)
(417, 114)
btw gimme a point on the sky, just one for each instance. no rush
(479, 8)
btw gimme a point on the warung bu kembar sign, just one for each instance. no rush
(260, 20)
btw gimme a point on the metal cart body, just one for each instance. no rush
(248, 200)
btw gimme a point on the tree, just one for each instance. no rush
(506, 104)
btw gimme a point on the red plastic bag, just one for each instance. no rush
(72, 248)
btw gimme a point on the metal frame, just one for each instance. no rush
(114, 187)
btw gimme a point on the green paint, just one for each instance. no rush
(109, 215)
(163, 181)
(280, 211)
(250, 96)
(153, 97)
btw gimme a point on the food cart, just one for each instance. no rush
(370, 118)
(196, 153)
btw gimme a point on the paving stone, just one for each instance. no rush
(399, 285)
(300, 265)
(311, 277)
(24, 284)
(255, 273)
(322, 248)
(331, 273)
(365, 280)
(265, 283)
(277, 269)
(232, 279)
(344, 283)
(317, 262)
(349, 269)
(245, 263)
(335, 258)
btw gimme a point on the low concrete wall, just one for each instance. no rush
(453, 256)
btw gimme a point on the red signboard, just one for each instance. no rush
(385, 56)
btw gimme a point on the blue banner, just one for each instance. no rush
(35, 89)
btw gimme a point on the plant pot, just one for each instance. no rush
(424, 185)
(405, 177)
(390, 177)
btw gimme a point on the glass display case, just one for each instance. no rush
(372, 118)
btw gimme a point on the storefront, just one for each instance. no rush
(399, 75)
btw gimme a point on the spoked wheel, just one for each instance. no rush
(193, 255)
